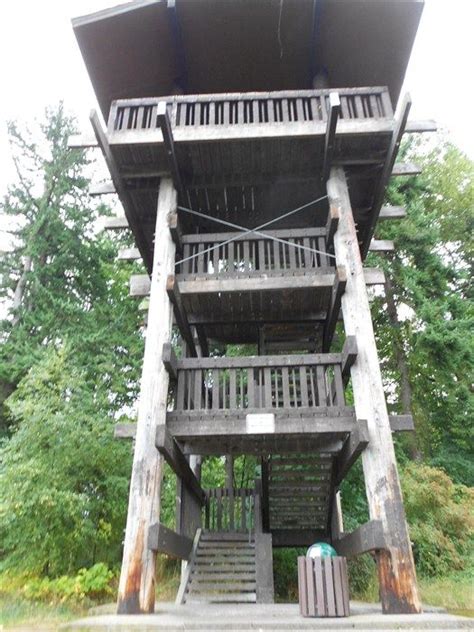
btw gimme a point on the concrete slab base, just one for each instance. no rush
(241, 617)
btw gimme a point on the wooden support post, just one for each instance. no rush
(164, 123)
(137, 579)
(397, 575)
(181, 318)
(119, 185)
(400, 122)
(334, 307)
(334, 109)
(354, 445)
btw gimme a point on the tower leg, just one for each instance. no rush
(396, 569)
(137, 579)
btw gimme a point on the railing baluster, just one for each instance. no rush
(244, 509)
(215, 389)
(321, 385)
(286, 388)
(303, 387)
(233, 388)
(197, 389)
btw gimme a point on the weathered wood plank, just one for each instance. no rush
(406, 169)
(170, 360)
(381, 245)
(128, 254)
(398, 587)
(124, 196)
(392, 212)
(329, 142)
(137, 580)
(417, 127)
(164, 540)
(353, 447)
(368, 537)
(173, 290)
(334, 307)
(116, 223)
(103, 188)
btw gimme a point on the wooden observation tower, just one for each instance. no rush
(251, 143)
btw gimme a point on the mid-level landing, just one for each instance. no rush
(241, 617)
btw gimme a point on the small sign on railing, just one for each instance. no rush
(257, 423)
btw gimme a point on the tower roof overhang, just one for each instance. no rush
(160, 47)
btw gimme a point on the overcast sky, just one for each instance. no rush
(41, 65)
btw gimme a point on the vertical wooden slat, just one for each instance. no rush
(321, 385)
(303, 387)
(345, 586)
(215, 389)
(206, 510)
(302, 588)
(246, 256)
(319, 586)
(181, 388)
(232, 389)
(197, 389)
(276, 255)
(338, 588)
(219, 508)
(329, 587)
(292, 253)
(250, 389)
(244, 510)
(286, 388)
(339, 386)
(310, 582)
(268, 387)
(322, 248)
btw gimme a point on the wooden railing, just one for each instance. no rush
(253, 254)
(218, 110)
(230, 509)
(291, 382)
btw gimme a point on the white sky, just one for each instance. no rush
(41, 65)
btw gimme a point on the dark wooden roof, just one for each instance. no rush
(149, 48)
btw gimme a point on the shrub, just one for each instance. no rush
(441, 520)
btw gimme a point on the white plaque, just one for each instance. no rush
(260, 423)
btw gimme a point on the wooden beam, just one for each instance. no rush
(116, 223)
(175, 230)
(129, 254)
(173, 291)
(170, 361)
(417, 127)
(368, 537)
(334, 110)
(81, 141)
(406, 169)
(103, 188)
(355, 443)
(125, 431)
(136, 592)
(164, 540)
(392, 212)
(379, 195)
(397, 576)
(185, 427)
(203, 344)
(298, 537)
(402, 423)
(170, 450)
(349, 356)
(210, 446)
(381, 245)
(165, 125)
(140, 285)
(123, 194)
(331, 227)
(338, 288)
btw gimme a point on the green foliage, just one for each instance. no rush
(440, 515)
(92, 583)
(285, 573)
(70, 357)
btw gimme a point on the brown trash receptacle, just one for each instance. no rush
(323, 587)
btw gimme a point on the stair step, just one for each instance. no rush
(226, 536)
(226, 568)
(229, 598)
(224, 587)
(210, 544)
(223, 576)
(224, 552)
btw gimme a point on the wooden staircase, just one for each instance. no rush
(222, 568)
(299, 487)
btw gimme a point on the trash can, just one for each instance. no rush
(323, 587)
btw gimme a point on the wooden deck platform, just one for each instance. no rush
(248, 157)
